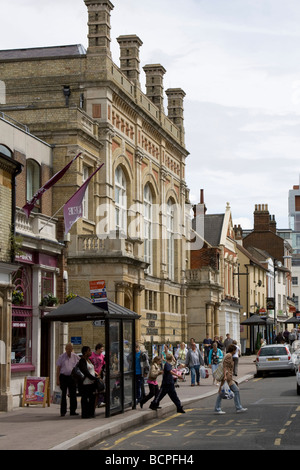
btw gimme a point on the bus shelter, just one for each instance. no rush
(119, 324)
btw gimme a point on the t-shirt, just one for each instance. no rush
(138, 369)
(167, 377)
(98, 361)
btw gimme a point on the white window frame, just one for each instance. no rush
(148, 236)
(170, 240)
(120, 200)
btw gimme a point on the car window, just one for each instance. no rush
(274, 351)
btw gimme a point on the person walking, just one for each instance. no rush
(207, 344)
(214, 358)
(155, 371)
(141, 371)
(235, 358)
(65, 364)
(193, 360)
(228, 372)
(168, 386)
(88, 387)
(227, 342)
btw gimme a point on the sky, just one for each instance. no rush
(238, 62)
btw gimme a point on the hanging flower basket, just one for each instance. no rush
(70, 296)
(49, 300)
(17, 297)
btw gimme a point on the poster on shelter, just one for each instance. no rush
(98, 292)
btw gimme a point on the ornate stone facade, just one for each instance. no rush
(133, 232)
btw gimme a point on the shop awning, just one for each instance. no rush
(82, 309)
(294, 320)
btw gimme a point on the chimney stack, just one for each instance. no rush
(154, 84)
(175, 106)
(99, 26)
(130, 57)
(261, 218)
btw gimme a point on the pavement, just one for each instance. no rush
(36, 428)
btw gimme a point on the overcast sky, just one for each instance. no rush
(238, 62)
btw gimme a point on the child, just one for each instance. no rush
(168, 387)
(155, 371)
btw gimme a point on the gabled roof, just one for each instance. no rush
(213, 225)
(251, 256)
(42, 52)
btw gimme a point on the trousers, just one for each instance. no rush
(167, 389)
(236, 398)
(66, 382)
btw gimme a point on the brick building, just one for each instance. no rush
(132, 233)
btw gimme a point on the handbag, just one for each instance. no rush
(204, 372)
(100, 385)
(218, 374)
(226, 392)
(77, 375)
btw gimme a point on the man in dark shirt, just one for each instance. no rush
(207, 344)
(168, 386)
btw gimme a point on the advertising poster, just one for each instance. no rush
(98, 293)
(36, 390)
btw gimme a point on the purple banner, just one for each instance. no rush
(73, 208)
(30, 204)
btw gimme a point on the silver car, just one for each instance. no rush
(274, 357)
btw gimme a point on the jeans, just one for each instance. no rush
(195, 373)
(236, 398)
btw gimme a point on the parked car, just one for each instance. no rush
(274, 357)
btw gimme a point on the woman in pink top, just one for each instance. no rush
(97, 358)
(155, 371)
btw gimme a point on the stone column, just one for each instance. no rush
(6, 397)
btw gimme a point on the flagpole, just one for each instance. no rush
(47, 223)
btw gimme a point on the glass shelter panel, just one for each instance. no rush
(128, 363)
(115, 359)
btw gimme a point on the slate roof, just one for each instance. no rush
(42, 52)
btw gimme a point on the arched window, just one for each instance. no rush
(120, 200)
(5, 151)
(170, 239)
(33, 180)
(148, 227)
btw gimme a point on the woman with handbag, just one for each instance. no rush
(215, 356)
(155, 371)
(228, 373)
(88, 386)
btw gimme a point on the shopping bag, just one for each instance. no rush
(203, 372)
(56, 397)
(218, 374)
(226, 392)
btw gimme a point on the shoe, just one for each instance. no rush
(192, 385)
(141, 404)
(220, 412)
(180, 410)
(74, 414)
(198, 383)
(242, 410)
(153, 407)
(62, 415)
